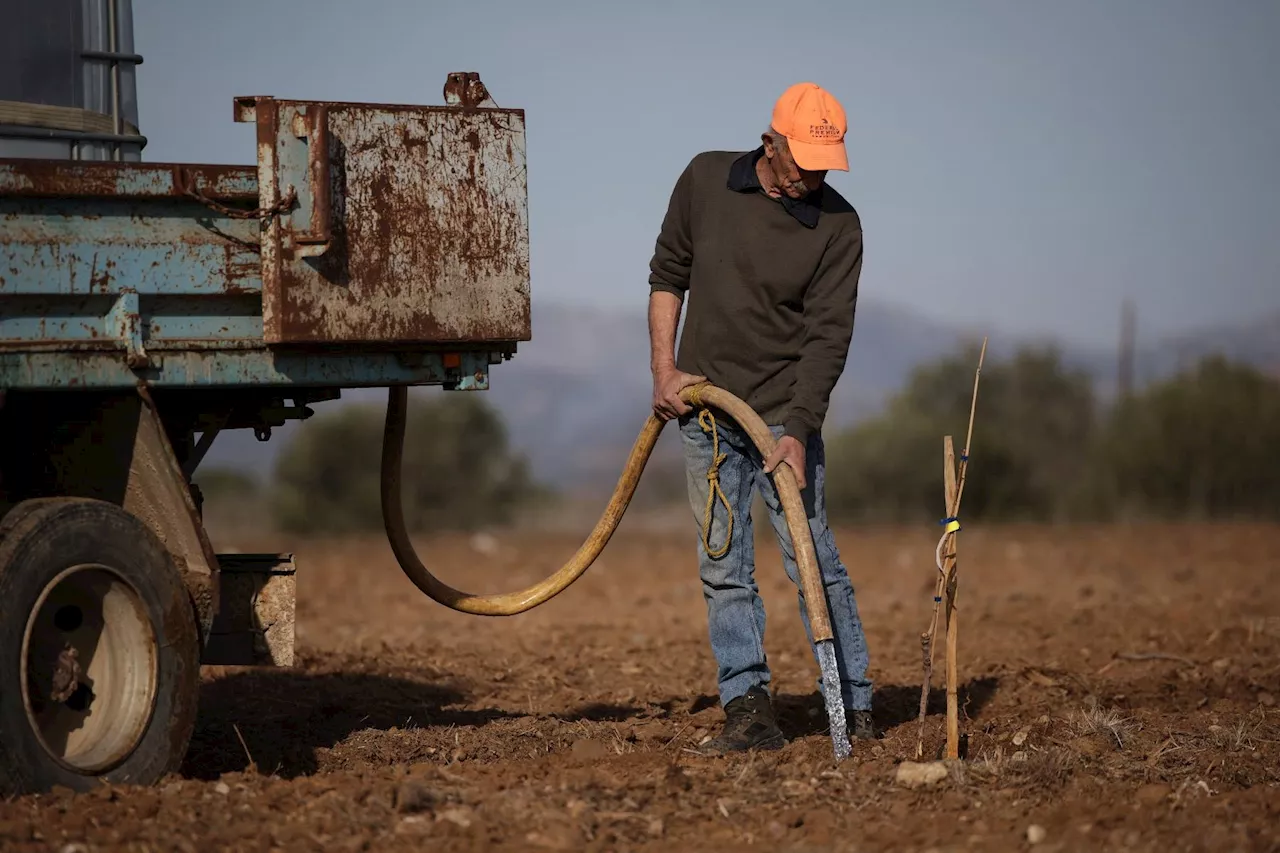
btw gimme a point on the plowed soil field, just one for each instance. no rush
(1119, 693)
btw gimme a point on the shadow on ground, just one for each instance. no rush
(280, 718)
(891, 706)
(283, 717)
(802, 715)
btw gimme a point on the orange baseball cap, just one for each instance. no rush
(814, 124)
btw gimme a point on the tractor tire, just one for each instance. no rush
(99, 649)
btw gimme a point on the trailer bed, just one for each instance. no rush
(371, 245)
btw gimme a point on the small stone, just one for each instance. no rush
(1221, 664)
(1036, 833)
(1044, 720)
(796, 788)
(414, 823)
(656, 827)
(1018, 756)
(1020, 738)
(222, 788)
(459, 816)
(1267, 699)
(555, 837)
(920, 775)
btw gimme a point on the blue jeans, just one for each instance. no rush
(735, 612)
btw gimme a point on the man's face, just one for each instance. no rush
(790, 178)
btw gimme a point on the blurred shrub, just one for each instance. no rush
(1202, 444)
(224, 485)
(1032, 431)
(1199, 444)
(233, 500)
(458, 471)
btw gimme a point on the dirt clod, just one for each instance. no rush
(412, 797)
(1153, 794)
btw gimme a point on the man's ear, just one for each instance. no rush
(769, 149)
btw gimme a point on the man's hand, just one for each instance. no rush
(667, 385)
(790, 451)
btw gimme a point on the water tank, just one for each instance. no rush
(68, 85)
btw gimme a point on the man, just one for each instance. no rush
(768, 257)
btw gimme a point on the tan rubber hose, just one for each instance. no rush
(511, 603)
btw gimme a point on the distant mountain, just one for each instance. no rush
(576, 395)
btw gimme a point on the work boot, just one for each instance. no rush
(749, 724)
(862, 727)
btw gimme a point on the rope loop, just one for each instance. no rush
(708, 423)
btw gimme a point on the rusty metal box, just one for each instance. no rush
(398, 224)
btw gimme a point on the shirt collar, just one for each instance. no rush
(743, 179)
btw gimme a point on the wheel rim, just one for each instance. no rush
(89, 668)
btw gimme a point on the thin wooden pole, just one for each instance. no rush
(949, 572)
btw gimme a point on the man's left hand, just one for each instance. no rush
(790, 451)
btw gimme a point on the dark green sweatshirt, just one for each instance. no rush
(771, 287)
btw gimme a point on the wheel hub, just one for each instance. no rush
(90, 669)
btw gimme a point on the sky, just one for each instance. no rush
(1017, 164)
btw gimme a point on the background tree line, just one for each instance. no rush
(459, 472)
(1201, 444)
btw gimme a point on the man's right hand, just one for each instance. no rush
(667, 385)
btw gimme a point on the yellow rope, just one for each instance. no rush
(708, 423)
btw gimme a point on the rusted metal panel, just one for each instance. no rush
(62, 367)
(255, 621)
(419, 235)
(105, 229)
(118, 180)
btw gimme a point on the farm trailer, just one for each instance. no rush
(148, 307)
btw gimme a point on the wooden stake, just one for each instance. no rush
(949, 572)
(946, 585)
